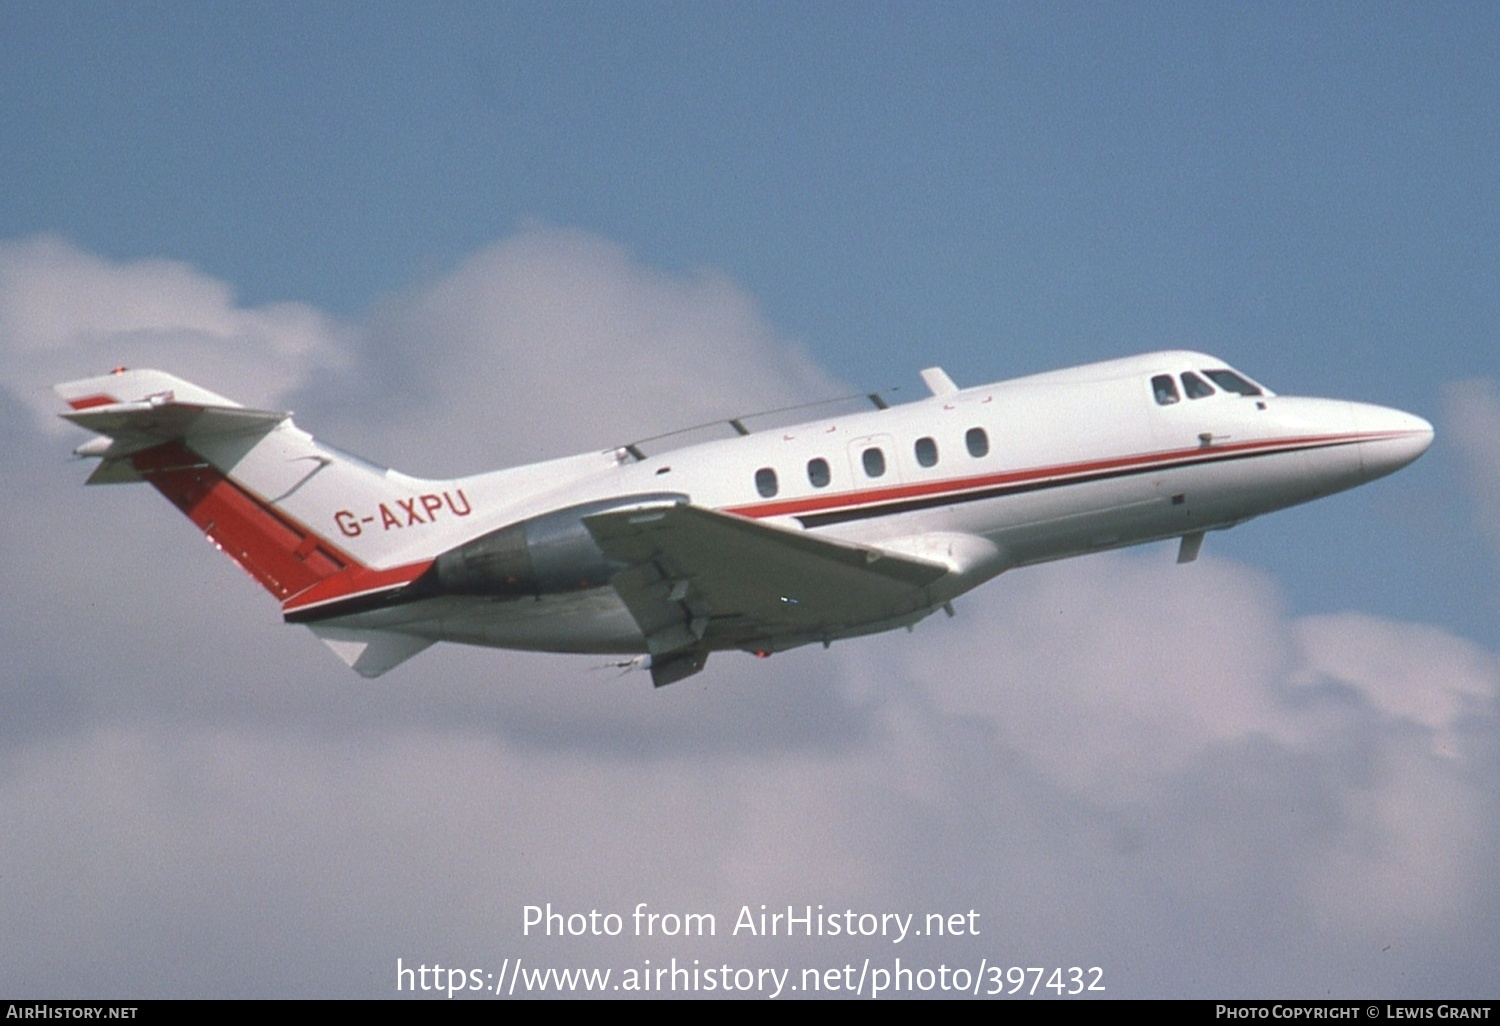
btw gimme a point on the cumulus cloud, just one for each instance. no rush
(555, 341)
(65, 313)
(1109, 672)
(1412, 673)
(1116, 761)
(1140, 712)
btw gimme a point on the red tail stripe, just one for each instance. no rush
(284, 557)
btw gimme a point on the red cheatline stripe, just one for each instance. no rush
(1060, 472)
(88, 402)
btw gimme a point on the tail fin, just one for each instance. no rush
(260, 488)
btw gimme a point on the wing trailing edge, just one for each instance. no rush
(700, 580)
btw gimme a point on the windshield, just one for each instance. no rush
(1229, 381)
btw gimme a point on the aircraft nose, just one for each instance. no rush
(1389, 439)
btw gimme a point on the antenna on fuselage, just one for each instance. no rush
(938, 382)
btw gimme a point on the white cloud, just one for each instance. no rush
(1132, 684)
(1412, 848)
(65, 314)
(555, 341)
(1110, 672)
(1412, 673)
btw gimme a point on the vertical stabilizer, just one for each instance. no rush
(265, 492)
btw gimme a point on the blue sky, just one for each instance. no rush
(1023, 179)
(355, 194)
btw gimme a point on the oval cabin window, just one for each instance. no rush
(926, 450)
(978, 442)
(817, 472)
(874, 461)
(765, 482)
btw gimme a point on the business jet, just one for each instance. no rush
(761, 541)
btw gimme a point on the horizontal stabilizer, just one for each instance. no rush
(138, 410)
(121, 386)
(141, 408)
(163, 421)
(371, 653)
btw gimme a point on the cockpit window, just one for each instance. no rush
(1196, 387)
(1165, 390)
(1229, 381)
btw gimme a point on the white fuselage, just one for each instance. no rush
(979, 480)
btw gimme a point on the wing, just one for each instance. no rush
(699, 580)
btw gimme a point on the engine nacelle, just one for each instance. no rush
(544, 555)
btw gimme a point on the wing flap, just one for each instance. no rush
(698, 577)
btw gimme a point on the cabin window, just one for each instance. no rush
(817, 472)
(1229, 381)
(927, 454)
(1196, 387)
(1165, 390)
(874, 461)
(978, 442)
(765, 482)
